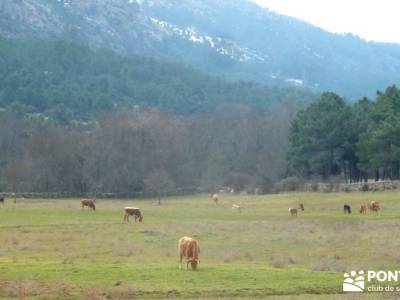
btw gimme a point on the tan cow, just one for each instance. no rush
(132, 211)
(363, 209)
(215, 198)
(91, 203)
(190, 249)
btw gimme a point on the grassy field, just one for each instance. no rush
(54, 249)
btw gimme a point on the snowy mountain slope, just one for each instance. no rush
(233, 38)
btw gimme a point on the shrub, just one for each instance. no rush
(364, 187)
(314, 187)
(289, 184)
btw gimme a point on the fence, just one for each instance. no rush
(105, 195)
(353, 187)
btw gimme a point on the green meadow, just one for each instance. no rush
(52, 249)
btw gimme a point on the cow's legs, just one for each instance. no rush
(180, 262)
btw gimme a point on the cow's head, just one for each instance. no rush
(141, 218)
(193, 263)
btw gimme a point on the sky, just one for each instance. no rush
(372, 20)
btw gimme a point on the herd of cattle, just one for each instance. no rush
(373, 206)
(189, 247)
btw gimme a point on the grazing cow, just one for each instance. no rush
(301, 206)
(236, 207)
(363, 209)
(2, 200)
(374, 206)
(190, 249)
(91, 203)
(215, 198)
(347, 209)
(132, 211)
(293, 212)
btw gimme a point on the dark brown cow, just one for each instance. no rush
(132, 211)
(293, 212)
(190, 249)
(91, 203)
(347, 209)
(2, 200)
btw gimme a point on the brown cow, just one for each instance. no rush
(374, 206)
(215, 198)
(190, 249)
(363, 209)
(91, 203)
(2, 200)
(132, 211)
(293, 212)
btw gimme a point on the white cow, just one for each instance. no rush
(236, 207)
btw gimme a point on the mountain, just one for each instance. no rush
(65, 81)
(233, 38)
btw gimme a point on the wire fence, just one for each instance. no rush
(107, 195)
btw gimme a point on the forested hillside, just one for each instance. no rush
(65, 82)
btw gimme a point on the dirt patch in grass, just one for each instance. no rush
(27, 289)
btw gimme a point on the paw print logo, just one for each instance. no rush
(354, 282)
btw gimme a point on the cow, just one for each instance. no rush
(190, 249)
(347, 209)
(91, 203)
(301, 206)
(215, 198)
(363, 209)
(236, 207)
(2, 200)
(374, 206)
(293, 212)
(132, 211)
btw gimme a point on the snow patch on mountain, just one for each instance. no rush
(222, 46)
(296, 82)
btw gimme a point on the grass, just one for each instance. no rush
(53, 249)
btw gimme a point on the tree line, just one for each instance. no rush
(149, 150)
(146, 150)
(358, 140)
